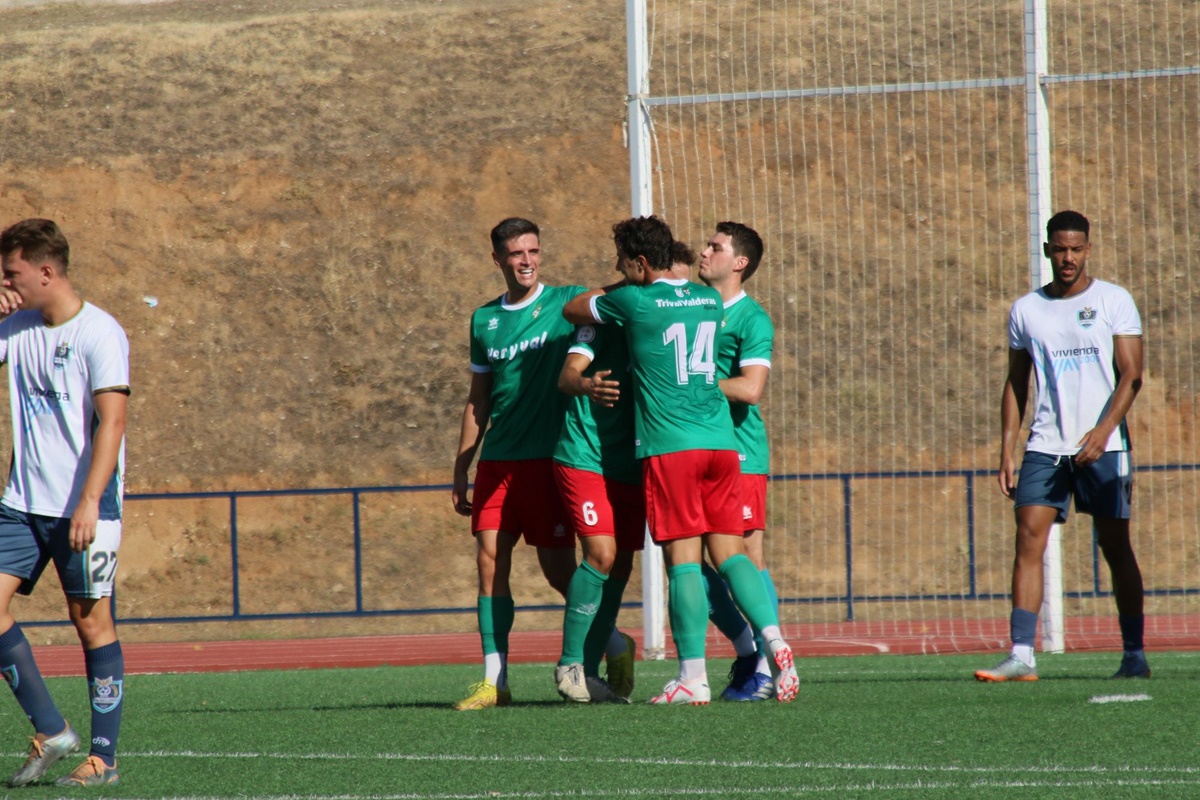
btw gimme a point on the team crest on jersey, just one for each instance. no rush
(62, 354)
(1087, 317)
(585, 334)
(493, 323)
(682, 291)
(10, 674)
(106, 694)
(536, 311)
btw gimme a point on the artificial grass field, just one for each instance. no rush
(866, 726)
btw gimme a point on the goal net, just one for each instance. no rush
(885, 152)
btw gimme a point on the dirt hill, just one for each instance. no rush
(287, 204)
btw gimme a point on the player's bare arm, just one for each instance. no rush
(579, 309)
(596, 387)
(748, 387)
(1127, 355)
(1012, 410)
(111, 406)
(474, 423)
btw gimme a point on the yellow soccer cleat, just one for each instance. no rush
(483, 695)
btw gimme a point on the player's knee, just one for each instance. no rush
(93, 629)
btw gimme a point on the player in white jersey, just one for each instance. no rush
(68, 382)
(1081, 338)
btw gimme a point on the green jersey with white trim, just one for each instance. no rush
(671, 328)
(597, 438)
(747, 338)
(523, 347)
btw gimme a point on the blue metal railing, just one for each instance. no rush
(848, 597)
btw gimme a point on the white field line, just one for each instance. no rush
(1058, 769)
(789, 791)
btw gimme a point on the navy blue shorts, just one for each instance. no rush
(28, 542)
(1103, 489)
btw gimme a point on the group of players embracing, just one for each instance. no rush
(613, 411)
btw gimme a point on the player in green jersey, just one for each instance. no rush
(685, 437)
(744, 347)
(601, 484)
(513, 408)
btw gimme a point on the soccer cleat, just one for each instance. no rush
(483, 695)
(600, 692)
(620, 669)
(783, 671)
(766, 686)
(1133, 665)
(741, 674)
(92, 772)
(43, 752)
(677, 693)
(1010, 669)
(759, 687)
(571, 683)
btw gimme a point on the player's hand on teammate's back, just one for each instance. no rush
(601, 391)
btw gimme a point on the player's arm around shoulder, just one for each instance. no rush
(580, 309)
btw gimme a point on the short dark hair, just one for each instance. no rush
(37, 240)
(746, 242)
(682, 254)
(1068, 221)
(649, 237)
(511, 228)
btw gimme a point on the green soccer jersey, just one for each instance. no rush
(747, 337)
(671, 328)
(596, 438)
(523, 347)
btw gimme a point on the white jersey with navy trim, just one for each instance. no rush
(53, 373)
(1070, 340)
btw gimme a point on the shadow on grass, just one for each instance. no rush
(393, 705)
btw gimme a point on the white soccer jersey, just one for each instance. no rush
(53, 373)
(1071, 342)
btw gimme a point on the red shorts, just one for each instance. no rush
(519, 497)
(600, 506)
(754, 502)
(693, 492)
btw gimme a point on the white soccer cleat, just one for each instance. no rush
(1010, 669)
(783, 671)
(677, 693)
(572, 685)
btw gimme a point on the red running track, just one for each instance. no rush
(851, 638)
